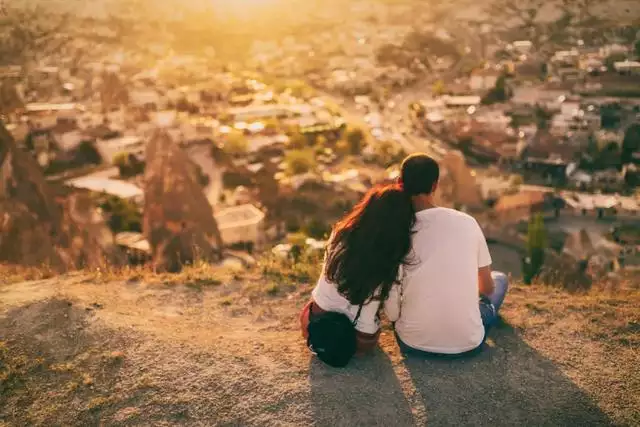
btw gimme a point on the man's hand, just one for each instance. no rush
(485, 281)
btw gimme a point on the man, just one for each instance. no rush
(448, 296)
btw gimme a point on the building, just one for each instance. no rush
(483, 80)
(461, 101)
(109, 148)
(515, 207)
(135, 246)
(46, 115)
(112, 187)
(627, 67)
(244, 224)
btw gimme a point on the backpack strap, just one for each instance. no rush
(355, 321)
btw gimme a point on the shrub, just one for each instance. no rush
(317, 228)
(128, 164)
(536, 246)
(86, 153)
(300, 161)
(235, 144)
(298, 141)
(123, 215)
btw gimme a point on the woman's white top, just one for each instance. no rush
(326, 295)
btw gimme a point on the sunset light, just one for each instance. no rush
(319, 212)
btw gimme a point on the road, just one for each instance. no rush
(395, 121)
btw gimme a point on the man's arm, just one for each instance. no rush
(485, 281)
(392, 304)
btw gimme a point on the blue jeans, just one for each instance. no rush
(489, 307)
(490, 304)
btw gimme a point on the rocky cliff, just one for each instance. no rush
(36, 229)
(178, 220)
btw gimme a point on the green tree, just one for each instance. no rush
(235, 144)
(299, 161)
(542, 117)
(128, 164)
(536, 246)
(87, 153)
(317, 228)
(636, 47)
(612, 59)
(122, 215)
(499, 93)
(630, 143)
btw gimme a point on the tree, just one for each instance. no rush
(298, 141)
(536, 246)
(235, 144)
(299, 161)
(128, 164)
(612, 59)
(316, 228)
(542, 117)
(636, 47)
(499, 93)
(87, 153)
(631, 144)
(356, 139)
(122, 214)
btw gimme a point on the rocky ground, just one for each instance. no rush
(224, 349)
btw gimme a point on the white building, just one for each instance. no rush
(112, 187)
(628, 67)
(242, 224)
(483, 80)
(109, 148)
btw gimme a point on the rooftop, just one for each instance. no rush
(133, 240)
(239, 216)
(520, 200)
(113, 187)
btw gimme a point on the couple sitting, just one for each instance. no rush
(428, 267)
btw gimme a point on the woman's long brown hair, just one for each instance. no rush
(370, 243)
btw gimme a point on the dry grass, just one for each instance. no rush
(217, 346)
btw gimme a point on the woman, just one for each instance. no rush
(363, 258)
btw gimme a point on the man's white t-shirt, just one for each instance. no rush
(439, 311)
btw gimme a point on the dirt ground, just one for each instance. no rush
(75, 352)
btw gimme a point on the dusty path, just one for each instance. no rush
(125, 353)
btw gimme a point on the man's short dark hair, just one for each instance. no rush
(419, 174)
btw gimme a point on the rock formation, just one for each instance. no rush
(178, 220)
(35, 229)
